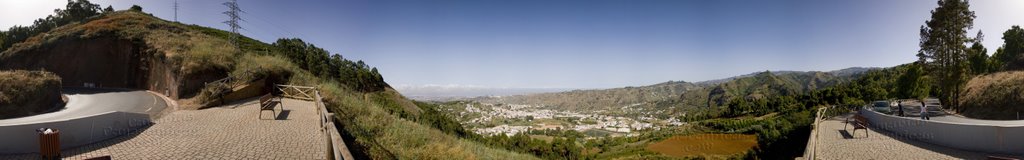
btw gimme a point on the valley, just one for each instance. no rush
(647, 118)
(511, 119)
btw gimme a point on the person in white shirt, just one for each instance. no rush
(924, 111)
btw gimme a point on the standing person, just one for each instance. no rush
(924, 111)
(900, 105)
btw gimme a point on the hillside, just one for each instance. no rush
(682, 96)
(126, 49)
(601, 99)
(766, 84)
(846, 72)
(994, 96)
(132, 49)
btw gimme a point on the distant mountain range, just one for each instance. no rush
(456, 92)
(453, 92)
(840, 73)
(600, 98)
(680, 95)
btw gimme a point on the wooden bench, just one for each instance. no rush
(267, 102)
(859, 122)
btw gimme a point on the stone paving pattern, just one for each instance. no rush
(834, 142)
(226, 132)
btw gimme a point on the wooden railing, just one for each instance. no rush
(810, 152)
(224, 80)
(336, 147)
(231, 81)
(298, 92)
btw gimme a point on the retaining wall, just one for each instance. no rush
(22, 138)
(1005, 139)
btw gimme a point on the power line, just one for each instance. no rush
(175, 10)
(232, 12)
(279, 27)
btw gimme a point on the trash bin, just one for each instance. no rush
(49, 143)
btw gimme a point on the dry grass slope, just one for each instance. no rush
(192, 50)
(25, 93)
(994, 96)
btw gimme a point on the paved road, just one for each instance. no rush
(964, 120)
(90, 101)
(914, 106)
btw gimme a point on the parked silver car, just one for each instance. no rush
(881, 107)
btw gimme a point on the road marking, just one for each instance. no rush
(154, 102)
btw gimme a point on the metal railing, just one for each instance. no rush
(336, 147)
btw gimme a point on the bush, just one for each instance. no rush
(212, 93)
(252, 67)
(24, 93)
(208, 53)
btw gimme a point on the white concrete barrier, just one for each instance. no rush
(1006, 139)
(22, 138)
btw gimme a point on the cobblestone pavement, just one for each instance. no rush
(835, 142)
(228, 132)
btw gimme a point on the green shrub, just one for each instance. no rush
(252, 67)
(208, 53)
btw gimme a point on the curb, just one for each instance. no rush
(169, 102)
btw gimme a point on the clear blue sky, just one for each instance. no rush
(581, 44)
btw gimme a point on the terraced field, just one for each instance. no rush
(705, 144)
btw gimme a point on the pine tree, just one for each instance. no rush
(943, 46)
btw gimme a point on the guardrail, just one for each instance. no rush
(335, 145)
(973, 137)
